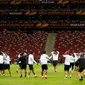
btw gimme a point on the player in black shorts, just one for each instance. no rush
(23, 64)
(81, 64)
(31, 61)
(55, 55)
(7, 61)
(44, 61)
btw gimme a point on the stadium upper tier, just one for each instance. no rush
(41, 7)
(41, 4)
(15, 2)
(35, 13)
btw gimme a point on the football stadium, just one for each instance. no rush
(42, 42)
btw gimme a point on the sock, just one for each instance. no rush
(70, 76)
(66, 76)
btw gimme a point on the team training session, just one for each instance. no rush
(42, 42)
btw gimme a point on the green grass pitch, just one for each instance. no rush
(54, 78)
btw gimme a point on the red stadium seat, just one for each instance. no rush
(14, 42)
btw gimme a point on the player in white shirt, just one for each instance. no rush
(7, 63)
(31, 61)
(77, 56)
(54, 56)
(72, 62)
(67, 65)
(44, 61)
(1, 63)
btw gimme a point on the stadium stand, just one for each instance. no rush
(70, 40)
(14, 42)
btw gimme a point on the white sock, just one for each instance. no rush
(35, 75)
(45, 75)
(66, 76)
(42, 76)
(84, 73)
(70, 75)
